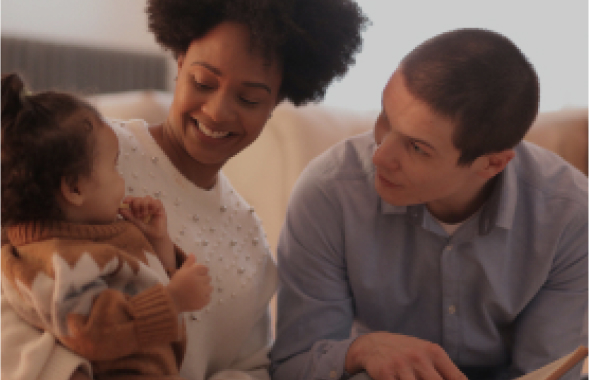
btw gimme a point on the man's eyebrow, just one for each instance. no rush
(219, 73)
(412, 138)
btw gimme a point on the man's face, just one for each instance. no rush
(416, 161)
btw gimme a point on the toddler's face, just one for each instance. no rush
(105, 188)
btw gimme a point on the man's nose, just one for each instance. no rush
(386, 154)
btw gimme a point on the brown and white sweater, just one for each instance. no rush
(99, 290)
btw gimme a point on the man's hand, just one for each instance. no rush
(387, 356)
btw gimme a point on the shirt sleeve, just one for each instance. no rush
(32, 354)
(554, 323)
(315, 305)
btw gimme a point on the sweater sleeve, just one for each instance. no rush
(82, 307)
(119, 325)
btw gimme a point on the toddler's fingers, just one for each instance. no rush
(201, 269)
(190, 260)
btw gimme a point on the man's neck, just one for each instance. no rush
(457, 213)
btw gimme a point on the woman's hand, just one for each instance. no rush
(149, 215)
(190, 287)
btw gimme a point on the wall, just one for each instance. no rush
(104, 23)
(553, 34)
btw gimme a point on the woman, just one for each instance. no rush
(236, 61)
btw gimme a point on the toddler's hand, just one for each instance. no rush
(190, 287)
(147, 214)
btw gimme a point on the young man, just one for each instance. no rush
(441, 246)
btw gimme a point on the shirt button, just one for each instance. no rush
(332, 374)
(452, 309)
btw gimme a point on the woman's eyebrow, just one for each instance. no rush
(220, 73)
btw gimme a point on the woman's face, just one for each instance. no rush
(224, 95)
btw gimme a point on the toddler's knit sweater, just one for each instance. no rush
(99, 290)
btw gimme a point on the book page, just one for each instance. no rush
(557, 368)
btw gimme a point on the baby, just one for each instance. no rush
(107, 288)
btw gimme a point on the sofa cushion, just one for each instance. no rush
(563, 132)
(265, 173)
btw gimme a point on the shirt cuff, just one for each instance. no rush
(156, 316)
(331, 358)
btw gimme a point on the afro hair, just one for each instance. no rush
(316, 40)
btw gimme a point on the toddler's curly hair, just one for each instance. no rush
(314, 40)
(45, 137)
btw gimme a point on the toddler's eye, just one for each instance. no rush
(202, 86)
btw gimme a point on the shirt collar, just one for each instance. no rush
(499, 210)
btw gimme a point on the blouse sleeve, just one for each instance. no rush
(253, 362)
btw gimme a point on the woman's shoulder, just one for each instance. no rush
(127, 128)
(133, 136)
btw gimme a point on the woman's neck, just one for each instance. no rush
(203, 176)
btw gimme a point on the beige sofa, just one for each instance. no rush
(265, 172)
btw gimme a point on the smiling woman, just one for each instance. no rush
(224, 94)
(236, 60)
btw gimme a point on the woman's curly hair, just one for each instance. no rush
(315, 40)
(45, 137)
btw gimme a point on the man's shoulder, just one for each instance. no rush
(330, 177)
(549, 176)
(347, 160)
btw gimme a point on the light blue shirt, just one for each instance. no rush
(505, 294)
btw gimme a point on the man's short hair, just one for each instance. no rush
(482, 82)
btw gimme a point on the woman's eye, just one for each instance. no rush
(249, 102)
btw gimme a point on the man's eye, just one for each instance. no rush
(417, 149)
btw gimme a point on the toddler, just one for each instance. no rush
(107, 288)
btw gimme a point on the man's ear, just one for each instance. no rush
(71, 192)
(493, 163)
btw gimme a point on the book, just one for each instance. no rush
(554, 370)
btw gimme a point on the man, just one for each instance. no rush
(440, 246)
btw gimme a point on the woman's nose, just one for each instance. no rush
(218, 107)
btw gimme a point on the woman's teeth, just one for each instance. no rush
(210, 133)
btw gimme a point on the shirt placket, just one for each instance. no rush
(450, 272)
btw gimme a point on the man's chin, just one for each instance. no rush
(393, 199)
